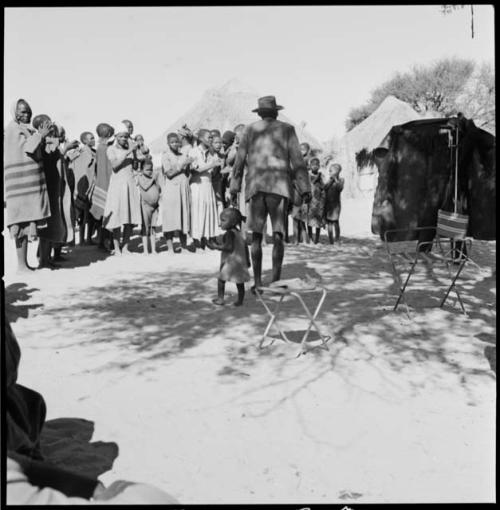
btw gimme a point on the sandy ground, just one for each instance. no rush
(146, 380)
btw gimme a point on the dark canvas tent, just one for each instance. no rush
(416, 176)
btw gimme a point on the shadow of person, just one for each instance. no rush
(490, 353)
(66, 443)
(14, 293)
(81, 256)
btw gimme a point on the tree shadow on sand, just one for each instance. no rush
(155, 317)
(358, 313)
(14, 294)
(66, 443)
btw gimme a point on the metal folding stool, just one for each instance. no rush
(451, 228)
(285, 288)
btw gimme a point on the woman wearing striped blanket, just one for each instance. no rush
(26, 195)
(99, 193)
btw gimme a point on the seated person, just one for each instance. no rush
(25, 408)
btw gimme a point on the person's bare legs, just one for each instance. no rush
(116, 241)
(81, 227)
(152, 240)
(183, 240)
(145, 249)
(170, 242)
(330, 232)
(264, 235)
(296, 230)
(287, 237)
(241, 294)
(278, 253)
(127, 232)
(100, 234)
(89, 225)
(45, 248)
(57, 252)
(221, 285)
(22, 255)
(336, 226)
(309, 232)
(305, 233)
(256, 252)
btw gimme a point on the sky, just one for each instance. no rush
(83, 66)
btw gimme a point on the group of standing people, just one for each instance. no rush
(324, 208)
(37, 191)
(52, 185)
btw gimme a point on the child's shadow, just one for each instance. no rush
(18, 292)
(66, 443)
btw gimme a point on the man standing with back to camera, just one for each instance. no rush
(271, 150)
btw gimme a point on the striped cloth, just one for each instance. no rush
(26, 193)
(99, 192)
(452, 225)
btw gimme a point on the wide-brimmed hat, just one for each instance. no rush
(267, 103)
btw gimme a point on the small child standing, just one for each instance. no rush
(299, 212)
(99, 192)
(149, 189)
(84, 168)
(317, 204)
(333, 189)
(235, 259)
(141, 154)
(218, 179)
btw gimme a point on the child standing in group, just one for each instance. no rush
(175, 195)
(333, 189)
(99, 192)
(150, 189)
(123, 201)
(235, 259)
(84, 169)
(141, 153)
(299, 216)
(187, 139)
(315, 213)
(218, 181)
(204, 226)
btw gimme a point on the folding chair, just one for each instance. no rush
(293, 287)
(449, 247)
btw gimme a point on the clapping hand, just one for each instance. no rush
(45, 128)
(132, 146)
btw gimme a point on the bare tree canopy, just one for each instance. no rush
(444, 88)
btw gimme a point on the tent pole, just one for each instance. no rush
(456, 171)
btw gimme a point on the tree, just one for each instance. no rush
(477, 100)
(433, 88)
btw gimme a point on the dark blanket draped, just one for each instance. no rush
(25, 408)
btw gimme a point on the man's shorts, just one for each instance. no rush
(262, 204)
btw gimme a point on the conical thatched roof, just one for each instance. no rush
(367, 135)
(224, 108)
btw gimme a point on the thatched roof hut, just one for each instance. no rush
(355, 152)
(224, 108)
